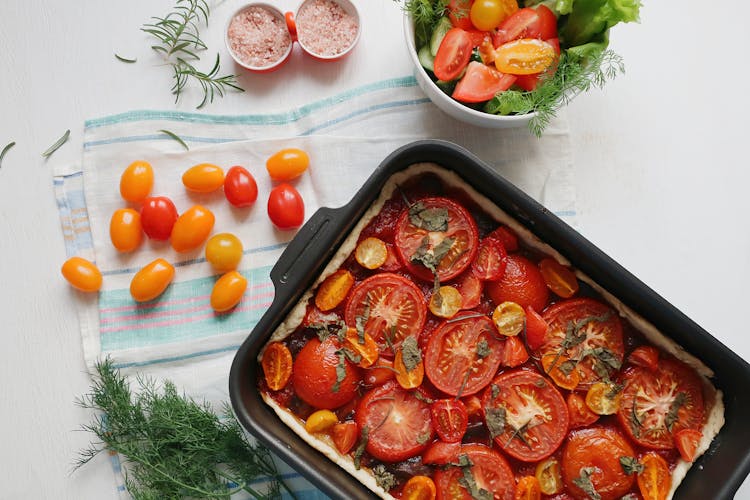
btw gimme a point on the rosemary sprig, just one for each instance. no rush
(176, 138)
(5, 150)
(62, 140)
(125, 59)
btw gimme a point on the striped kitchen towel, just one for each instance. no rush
(178, 336)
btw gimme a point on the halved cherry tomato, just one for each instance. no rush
(418, 233)
(656, 404)
(418, 488)
(192, 228)
(399, 423)
(392, 263)
(367, 350)
(320, 421)
(240, 187)
(449, 419)
(522, 283)
(287, 164)
(548, 474)
(125, 229)
(536, 416)
(285, 207)
(371, 253)
(203, 178)
(481, 83)
(545, 26)
(687, 441)
(527, 82)
(536, 329)
(453, 54)
(603, 398)
(333, 290)
(560, 280)
(509, 319)
(151, 280)
(392, 308)
(136, 181)
(488, 14)
(224, 251)
(515, 26)
(580, 414)
(228, 291)
(645, 356)
(525, 56)
(655, 481)
(473, 406)
(595, 452)
(277, 365)
(379, 373)
(486, 50)
(598, 323)
(559, 370)
(446, 302)
(507, 237)
(462, 355)
(491, 259)
(528, 489)
(344, 436)
(158, 215)
(440, 453)
(82, 274)
(514, 353)
(458, 13)
(488, 468)
(408, 379)
(470, 287)
(315, 376)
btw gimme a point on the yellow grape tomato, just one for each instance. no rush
(203, 178)
(524, 57)
(151, 281)
(287, 164)
(82, 274)
(136, 181)
(224, 251)
(192, 228)
(228, 291)
(320, 421)
(125, 229)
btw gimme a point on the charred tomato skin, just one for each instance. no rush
(314, 375)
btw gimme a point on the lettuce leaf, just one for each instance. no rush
(589, 20)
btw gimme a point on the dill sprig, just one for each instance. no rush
(173, 446)
(426, 14)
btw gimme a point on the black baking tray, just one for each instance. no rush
(716, 475)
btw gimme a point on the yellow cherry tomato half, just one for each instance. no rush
(509, 318)
(559, 279)
(228, 291)
(203, 178)
(487, 15)
(136, 181)
(419, 488)
(446, 302)
(287, 164)
(192, 228)
(151, 281)
(125, 229)
(603, 398)
(334, 289)
(524, 57)
(371, 253)
(82, 274)
(655, 480)
(549, 476)
(224, 251)
(320, 421)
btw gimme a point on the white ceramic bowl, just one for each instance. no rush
(350, 9)
(446, 102)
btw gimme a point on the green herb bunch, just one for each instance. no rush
(173, 447)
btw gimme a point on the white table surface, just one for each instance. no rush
(660, 159)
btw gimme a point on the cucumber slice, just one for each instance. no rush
(426, 59)
(443, 26)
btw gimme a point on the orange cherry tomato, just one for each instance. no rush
(333, 290)
(82, 274)
(446, 302)
(655, 481)
(287, 164)
(151, 281)
(320, 421)
(408, 379)
(549, 477)
(371, 253)
(528, 489)
(192, 228)
(224, 251)
(228, 291)
(136, 181)
(380, 373)
(603, 398)
(509, 319)
(125, 229)
(488, 14)
(559, 279)
(203, 178)
(524, 57)
(277, 365)
(419, 488)
(559, 370)
(368, 350)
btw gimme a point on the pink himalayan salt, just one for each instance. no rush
(325, 28)
(258, 38)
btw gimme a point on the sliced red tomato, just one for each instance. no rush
(449, 419)
(602, 329)
(687, 441)
(516, 26)
(527, 82)
(545, 26)
(344, 436)
(399, 425)
(440, 453)
(470, 287)
(515, 353)
(453, 54)
(458, 13)
(392, 306)
(314, 375)
(391, 263)
(656, 404)
(477, 37)
(536, 329)
(436, 225)
(481, 83)
(463, 354)
(595, 453)
(507, 237)
(521, 283)
(535, 415)
(489, 470)
(645, 356)
(580, 414)
(491, 259)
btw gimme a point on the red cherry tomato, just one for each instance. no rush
(515, 353)
(453, 54)
(507, 237)
(481, 83)
(522, 283)
(450, 419)
(470, 287)
(645, 356)
(192, 228)
(314, 375)
(158, 216)
(489, 470)
(687, 441)
(82, 274)
(398, 422)
(440, 453)
(136, 181)
(285, 207)
(458, 13)
(240, 187)
(515, 26)
(489, 264)
(545, 26)
(579, 412)
(536, 329)
(344, 436)
(125, 229)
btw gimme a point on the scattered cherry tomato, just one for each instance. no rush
(320, 421)
(446, 302)
(655, 480)
(453, 54)
(687, 441)
(285, 207)
(224, 251)
(82, 274)
(125, 229)
(228, 291)
(441, 453)
(524, 57)
(528, 488)
(287, 164)
(645, 356)
(151, 280)
(488, 14)
(560, 280)
(450, 419)
(507, 237)
(419, 488)
(136, 181)
(545, 27)
(203, 178)
(522, 283)
(515, 26)
(334, 290)
(344, 436)
(548, 474)
(277, 365)
(192, 228)
(158, 216)
(240, 187)
(562, 370)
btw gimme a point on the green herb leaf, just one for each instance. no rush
(584, 482)
(125, 59)
(483, 349)
(176, 138)
(567, 367)
(361, 446)
(429, 219)
(494, 391)
(635, 421)
(361, 321)
(424, 437)
(605, 361)
(410, 353)
(62, 140)
(468, 482)
(5, 150)
(422, 397)
(496, 420)
(673, 414)
(631, 465)
(348, 354)
(325, 330)
(385, 479)
(340, 370)
(426, 14)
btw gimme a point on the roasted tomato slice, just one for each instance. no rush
(592, 456)
(470, 288)
(488, 469)
(440, 453)
(392, 306)
(316, 371)
(437, 233)
(398, 423)
(588, 333)
(657, 404)
(449, 418)
(526, 415)
(490, 261)
(521, 283)
(463, 354)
